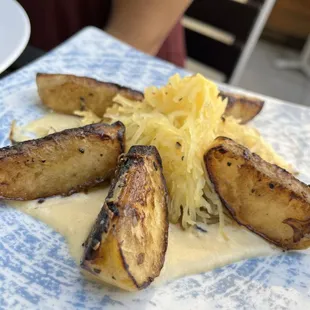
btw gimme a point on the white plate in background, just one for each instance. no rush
(14, 32)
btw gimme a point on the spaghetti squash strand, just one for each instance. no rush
(182, 119)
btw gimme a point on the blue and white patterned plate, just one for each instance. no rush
(36, 270)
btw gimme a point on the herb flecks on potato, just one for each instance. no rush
(127, 244)
(61, 163)
(260, 196)
(67, 94)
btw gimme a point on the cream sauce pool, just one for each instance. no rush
(189, 252)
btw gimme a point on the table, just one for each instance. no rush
(36, 269)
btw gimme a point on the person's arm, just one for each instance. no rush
(144, 24)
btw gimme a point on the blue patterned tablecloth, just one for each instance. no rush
(36, 270)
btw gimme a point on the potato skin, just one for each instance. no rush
(241, 107)
(61, 163)
(127, 244)
(263, 197)
(66, 93)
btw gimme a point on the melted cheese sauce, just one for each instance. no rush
(71, 216)
(189, 252)
(46, 125)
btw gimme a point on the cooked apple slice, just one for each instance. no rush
(242, 107)
(65, 93)
(260, 196)
(127, 244)
(62, 163)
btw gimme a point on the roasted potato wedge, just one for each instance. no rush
(260, 196)
(242, 107)
(62, 163)
(127, 244)
(68, 93)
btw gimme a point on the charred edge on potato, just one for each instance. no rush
(215, 184)
(103, 225)
(101, 228)
(249, 106)
(25, 148)
(234, 98)
(301, 228)
(133, 159)
(105, 216)
(90, 82)
(134, 94)
(89, 129)
(149, 151)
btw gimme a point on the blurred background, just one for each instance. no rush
(259, 45)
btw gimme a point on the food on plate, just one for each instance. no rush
(66, 93)
(61, 163)
(182, 119)
(72, 94)
(241, 107)
(260, 196)
(127, 244)
(50, 123)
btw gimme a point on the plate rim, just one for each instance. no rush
(19, 48)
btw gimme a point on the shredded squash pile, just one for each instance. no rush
(182, 119)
